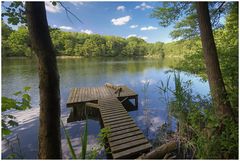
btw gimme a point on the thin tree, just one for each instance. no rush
(49, 130)
(218, 91)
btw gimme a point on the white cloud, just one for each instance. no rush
(51, 8)
(134, 35)
(121, 20)
(133, 26)
(77, 3)
(120, 8)
(87, 31)
(55, 26)
(131, 35)
(66, 28)
(143, 6)
(148, 28)
(143, 37)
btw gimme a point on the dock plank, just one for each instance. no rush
(133, 151)
(128, 145)
(126, 140)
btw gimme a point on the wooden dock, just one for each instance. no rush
(126, 140)
(92, 94)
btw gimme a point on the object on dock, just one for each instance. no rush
(125, 140)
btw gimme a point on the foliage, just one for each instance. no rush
(20, 102)
(6, 32)
(15, 13)
(226, 39)
(184, 17)
(201, 131)
(17, 43)
(104, 133)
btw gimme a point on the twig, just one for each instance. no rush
(220, 6)
(68, 11)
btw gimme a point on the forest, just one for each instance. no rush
(204, 45)
(17, 43)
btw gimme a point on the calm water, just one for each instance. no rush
(135, 73)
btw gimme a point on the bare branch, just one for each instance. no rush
(68, 11)
(219, 7)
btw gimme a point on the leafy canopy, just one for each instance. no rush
(184, 17)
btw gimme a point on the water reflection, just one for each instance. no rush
(89, 72)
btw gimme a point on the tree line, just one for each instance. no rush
(17, 43)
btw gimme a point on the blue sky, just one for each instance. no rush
(123, 19)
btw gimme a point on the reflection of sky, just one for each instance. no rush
(152, 110)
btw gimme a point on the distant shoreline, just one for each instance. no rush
(80, 57)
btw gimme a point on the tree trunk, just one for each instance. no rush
(161, 151)
(49, 130)
(217, 87)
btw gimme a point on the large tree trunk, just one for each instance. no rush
(217, 87)
(49, 130)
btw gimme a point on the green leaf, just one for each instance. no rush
(12, 123)
(8, 103)
(6, 131)
(26, 88)
(26, 97)
(69, 142)
(17, 93)
(84, 141)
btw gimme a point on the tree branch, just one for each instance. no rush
(68, 11)
(219, 7)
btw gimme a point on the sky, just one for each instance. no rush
(124, 19)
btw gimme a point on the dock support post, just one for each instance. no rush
(136, 101)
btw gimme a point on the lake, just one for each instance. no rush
(140, 74)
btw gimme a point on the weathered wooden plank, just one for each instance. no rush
(131, 152)
(123, 131)
(113, 116)
(71, 99)
(83, 94)
(109, 119)
(78, 95)
(119, 125)
(128, 145)
(124, 135)
(118, 122)
(70, 96)
(126, 140)
(91, 93)
(87, 93)
(122, 128)
(113, 109)
(103, 92)
(113, 112)
(95, 93)
(111, 105)
(109, 100)
(74, 95)
(106, 92)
